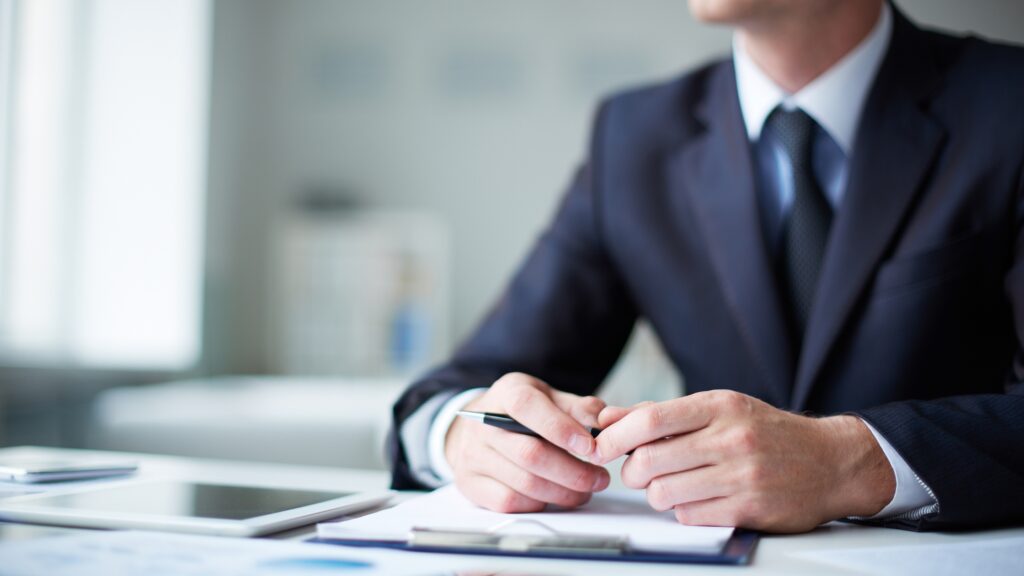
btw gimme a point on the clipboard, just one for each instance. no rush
(499, 540)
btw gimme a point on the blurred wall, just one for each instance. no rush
(477, 110)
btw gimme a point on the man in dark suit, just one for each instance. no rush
(826, 232)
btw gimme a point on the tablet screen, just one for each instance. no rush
(173, 498)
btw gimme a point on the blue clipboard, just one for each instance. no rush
(737, 551)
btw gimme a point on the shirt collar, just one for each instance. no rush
(834, 99)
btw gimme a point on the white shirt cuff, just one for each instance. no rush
(415, 433)
(439, 431)
(913, 498)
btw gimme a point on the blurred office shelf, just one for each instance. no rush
(295, 420)
(359, 292)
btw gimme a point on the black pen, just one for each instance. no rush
(506, 422)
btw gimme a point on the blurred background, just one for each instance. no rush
(238, 228)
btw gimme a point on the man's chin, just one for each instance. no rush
(734, 12)
(722, 11)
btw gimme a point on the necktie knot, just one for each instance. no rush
(794, 129)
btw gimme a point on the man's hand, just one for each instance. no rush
(510, 472)
(722, 458)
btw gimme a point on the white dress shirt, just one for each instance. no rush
(834, 100)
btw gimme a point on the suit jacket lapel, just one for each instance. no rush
(714, 171)
(895, 147)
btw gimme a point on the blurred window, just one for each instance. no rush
(102, 181)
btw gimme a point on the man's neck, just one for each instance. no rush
(793, 51)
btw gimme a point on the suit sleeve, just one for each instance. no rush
(564, 318)
(969, 450)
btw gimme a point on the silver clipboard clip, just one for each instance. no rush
(499, 539)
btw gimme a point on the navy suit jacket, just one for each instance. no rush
(918, 324)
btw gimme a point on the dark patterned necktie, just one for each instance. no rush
(805, 231)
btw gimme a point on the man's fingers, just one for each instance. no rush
(489, 493)
(667, 456)
(723, 511)
(665, 492)
(610, 415)
(551, 463)
(495, 465)
(583, 409)
(652, 422)
(536, 410)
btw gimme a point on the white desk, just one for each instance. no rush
(774, 554)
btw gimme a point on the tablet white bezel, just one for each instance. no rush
(33, 508)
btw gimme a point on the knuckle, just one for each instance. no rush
(683, 514)
(517, 378)
(557, 426)
(519, 399)
(658, 495)
(735, 516)
(531, 485)
(651, 418)
(631, 478)
(754, 509)
(531, 452)
(502, 383)
(729, 400)
(507, 501)
(511, 380)
(593, 404)
(744, 439)
(524, 380)
(633, 473)
(754, 475)
(645, 458)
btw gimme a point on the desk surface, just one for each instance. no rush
(775, 554)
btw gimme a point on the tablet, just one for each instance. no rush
(42, 470)
(182, 506)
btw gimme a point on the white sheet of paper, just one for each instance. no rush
(610, 513)
(155, 554)
(1001, 555)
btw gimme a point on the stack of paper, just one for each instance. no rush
(610, 513)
